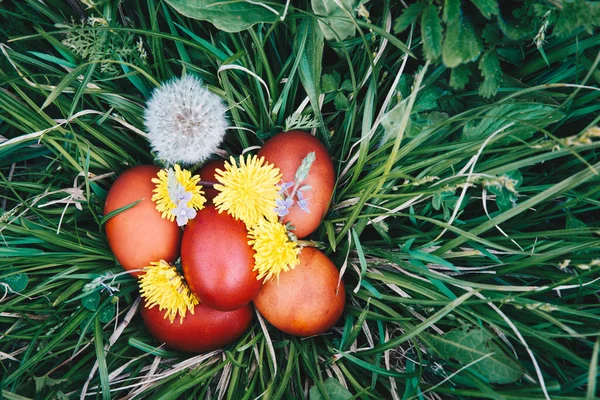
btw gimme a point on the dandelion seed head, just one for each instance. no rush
(186, 123)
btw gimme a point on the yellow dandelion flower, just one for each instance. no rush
(275, 251)
(249, 191)
(177, 194)
(162, 285)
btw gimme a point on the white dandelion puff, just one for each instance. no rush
(186, 123)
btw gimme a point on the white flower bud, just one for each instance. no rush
(186, 123)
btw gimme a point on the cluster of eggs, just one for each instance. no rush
(217, 261)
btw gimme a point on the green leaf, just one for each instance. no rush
(217, 53)
(436, 282)
(515, 175)
(227, 15)
(16, 282)
(107, 313)
(339, 26)
(118, 211)
(334, 390)
(42, 382)
(461, 44)
(574, 223)
(485, 252)
(452, 202)
(451, 10)
(459, 77)
(361, 254)
(61, 396)
(406, 246)
(347, 85)
(330, 82)
(412, 218)
(431, 33)
(431, 258)
(304, 168)
(487, 7)
(341, 102)
(392, 119)
(468, 344)
(515, 29)
(505, 199)
(436, 201)
(491, 34)
(91, 301)
(367, 285)
(489, 64)
(136, 81)
(528, 118)
(577, 14)
(407, 17)
(330, 230)
(101, 358)
(438, 197)
(53, 59)
(427, 99)
(294, 121)
(63, 84)
(308, 46)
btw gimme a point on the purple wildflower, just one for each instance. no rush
(284, 186)
(179, 194)
(183, 213)
(302, 202)
(283, 206)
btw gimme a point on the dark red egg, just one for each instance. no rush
(207, 174)
(139, 235)
(205, 330)
(286, 151)
(217, 260)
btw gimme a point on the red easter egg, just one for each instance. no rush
(286, 151)
(217, 260)
(139, 235)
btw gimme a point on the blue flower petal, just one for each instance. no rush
(284, 186)
(303, 204)
(283, 206)
(183, 213)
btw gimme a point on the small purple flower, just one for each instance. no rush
(179, 194)
(284, 186)
(183, 213)
(302, 202)
(283, 206)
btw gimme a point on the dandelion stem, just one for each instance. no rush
(207, 183)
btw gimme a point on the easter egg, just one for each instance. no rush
(217, 260)
(139, 235)
(306, 300)
(286, 151)
(204, 330)
(207, 173)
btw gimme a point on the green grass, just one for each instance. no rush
(427, 237)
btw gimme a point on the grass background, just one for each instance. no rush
(456, 218)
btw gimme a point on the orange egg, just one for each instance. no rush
(138, 235)
(286, 151)
(304, 301)
(217, 260)
(205, 330)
